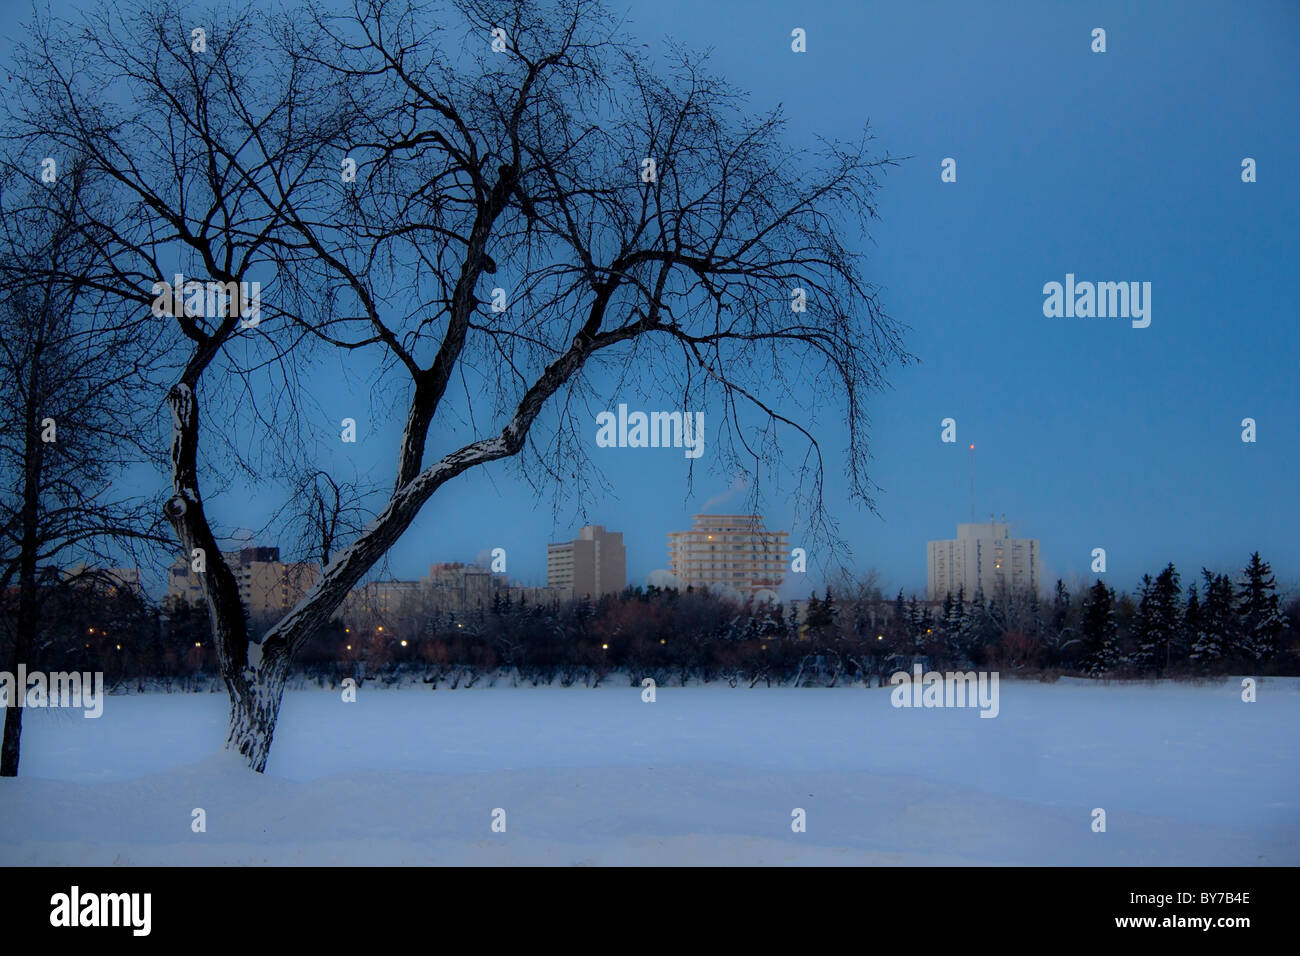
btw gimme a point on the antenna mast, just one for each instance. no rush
(972, 483)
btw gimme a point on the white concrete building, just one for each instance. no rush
(730, 551)
(983, 557)
(592, 565)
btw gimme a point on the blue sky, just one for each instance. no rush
(1089, 433)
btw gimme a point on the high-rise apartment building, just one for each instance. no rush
(267, 586)
(982, 558)
(729, 550)
(590, 566)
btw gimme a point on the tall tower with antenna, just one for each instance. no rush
(972, 481)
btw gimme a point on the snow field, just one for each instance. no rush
(1188, 775)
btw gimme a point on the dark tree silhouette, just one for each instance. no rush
(633, 214)
(70, 391)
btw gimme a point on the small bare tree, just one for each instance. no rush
(71, 383)
(498, 204)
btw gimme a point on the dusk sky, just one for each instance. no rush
(1116, 166)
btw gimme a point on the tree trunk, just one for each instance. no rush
(23, 643)
(25, 631)
(255, 695)
(13, 733)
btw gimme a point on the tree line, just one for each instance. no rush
(850, 633)
(1215, 626)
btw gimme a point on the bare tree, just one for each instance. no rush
(638, 223)
(71, 373)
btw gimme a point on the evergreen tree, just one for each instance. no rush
(830, 610)
(957, 619)
(915, 630)
(1167, 615)
(1157, 625)
(955, 628)
(821, 613)
(1216, 635)
(1193, 626)
(941, 626)
(927, 625)
(1100, 631)
(812, 615)
(1146, 639)
(1062, 617)
(1258, 610)
(980, 625)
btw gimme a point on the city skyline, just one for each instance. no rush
(1091, 432)
(794, 586)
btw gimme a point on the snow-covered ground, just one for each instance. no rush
(1187, 775)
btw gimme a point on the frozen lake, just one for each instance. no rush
(1186, 774)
